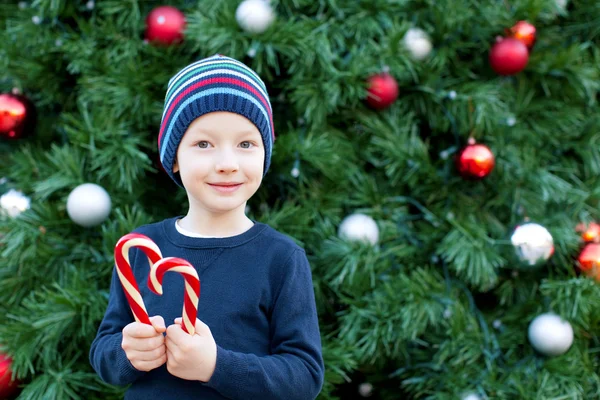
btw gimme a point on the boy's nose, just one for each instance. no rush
(227, 162)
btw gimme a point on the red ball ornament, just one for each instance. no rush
(523, 31)
(509, 56)
(7, 385)
(382, 91)
(589, 232)
(165, 24)
(17, 116)
(475, 161)
(589, 261)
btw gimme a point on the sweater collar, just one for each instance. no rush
(179, 240)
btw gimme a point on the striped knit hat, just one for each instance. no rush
(216, 83)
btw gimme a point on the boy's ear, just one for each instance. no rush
(175, 166)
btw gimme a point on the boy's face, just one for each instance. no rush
(220, 161)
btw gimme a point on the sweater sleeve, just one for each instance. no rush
(106, 354)
(294, 370)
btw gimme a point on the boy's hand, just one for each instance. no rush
(144, 345)
(191, 357)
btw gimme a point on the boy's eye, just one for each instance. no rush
(203, 144)
(246, 144)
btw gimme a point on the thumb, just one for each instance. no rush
(200, 327)
(158, 323)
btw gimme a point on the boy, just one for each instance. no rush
(257, 333)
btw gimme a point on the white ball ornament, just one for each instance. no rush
(88, 205)
(561, 4)
(359, 227)
(533, 244)
(418, 44)
(550, 335)
(14, 202)
(470, 396)
(254, 16)
(365, 389)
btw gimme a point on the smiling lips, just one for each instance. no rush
(225, 187)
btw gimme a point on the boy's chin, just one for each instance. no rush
(224, 206)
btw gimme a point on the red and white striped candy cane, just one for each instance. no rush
(192, 287)
(130, 286)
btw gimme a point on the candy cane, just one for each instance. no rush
(130, 286)
(192, 287)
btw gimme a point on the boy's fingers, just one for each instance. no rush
(151, 355)
(149, 344)
(158, 323)
(139, 330)
(201, 328)
(175, 333)
(150, 365)
(170, 344)
(169, 356)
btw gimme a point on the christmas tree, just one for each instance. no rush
(462, 144)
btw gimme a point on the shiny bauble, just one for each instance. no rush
(88, 205)
(509, 56)
(533, 244)
(525, 32)
(359, 227)
(418, 43)
(550, 335)
(165, 25)
(13, 203)
(382, 91)
(561, 5)
(254, 16)
(365, 389)
(475, 161)
(8, 386)
(588, 261)
(589, 232)
(17, 116)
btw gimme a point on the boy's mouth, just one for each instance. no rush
(225, 184)
(225, 187)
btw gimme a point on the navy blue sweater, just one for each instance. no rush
(257, 299)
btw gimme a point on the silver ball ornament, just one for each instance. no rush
(550, 335)
(561, 4)
(88, 205)
(254, 16)
(533, 244)
(365, 389)
(14, 202)
(359, 227)
(418, 44)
